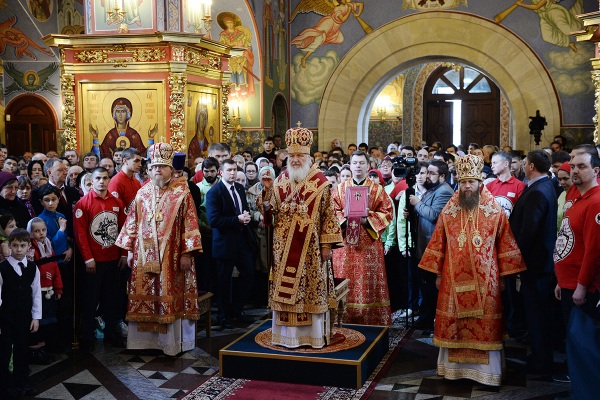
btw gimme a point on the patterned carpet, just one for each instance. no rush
(218, 388)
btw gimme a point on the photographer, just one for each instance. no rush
(405, 234)
(427, 211)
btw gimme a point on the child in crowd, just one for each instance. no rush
(7, 225)
(51, 283)
(56, 223)
(20, 312)
(24, 194)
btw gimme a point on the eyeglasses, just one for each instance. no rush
(432, 173)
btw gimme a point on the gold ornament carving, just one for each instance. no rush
(145, 55)
(225, 112)
(201, 58)
(177, 82)
(67, 83)
(92, 56)
(596, 79)
(178, 53)
(100, 56)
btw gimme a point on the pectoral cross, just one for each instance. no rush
(357, 195)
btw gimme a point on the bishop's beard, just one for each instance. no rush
(298, 174)
(468, 201)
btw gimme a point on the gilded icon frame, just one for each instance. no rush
(200, 99)
(147, 114)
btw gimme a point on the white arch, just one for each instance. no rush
(430, 36)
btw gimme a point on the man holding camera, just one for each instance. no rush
(428, 209)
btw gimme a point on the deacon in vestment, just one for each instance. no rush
(361, 259)
(161, 234)
(471, 249)
(301, 288)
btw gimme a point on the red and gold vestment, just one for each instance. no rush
(368, 301)
(304, 220)
(161, 226)
(471, 253)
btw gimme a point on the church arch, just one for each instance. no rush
(491, 48)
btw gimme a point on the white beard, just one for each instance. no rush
(298, 174)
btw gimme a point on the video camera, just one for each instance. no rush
(405, 168)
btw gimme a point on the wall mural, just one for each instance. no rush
(281, 46)
(241, 63)
(20, 42)
(328, 29)
(30, 81)
(269, 39)
(556, 21)
(41, 9)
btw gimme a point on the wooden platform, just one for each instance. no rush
(246, 359)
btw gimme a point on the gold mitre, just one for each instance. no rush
(161, 154)
(469, 167)
(298, 140)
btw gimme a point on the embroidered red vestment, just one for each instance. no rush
(159, 228)
(469, 307)
(304, 220)
(368, 301)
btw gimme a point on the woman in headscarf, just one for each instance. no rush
(8, 199)
(265, 238)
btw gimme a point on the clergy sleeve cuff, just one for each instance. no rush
(326, 245)
(89, 261)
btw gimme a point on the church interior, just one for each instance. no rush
(197, 72)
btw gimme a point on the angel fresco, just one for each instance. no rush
(556, 21)
(13, 37)
(31, 81)
(327, 30)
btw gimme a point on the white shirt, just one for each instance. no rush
(229, 186)
(36, 289)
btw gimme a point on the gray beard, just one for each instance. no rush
(298, 174)
(160, 182)
(468, 201)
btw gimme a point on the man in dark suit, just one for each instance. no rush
(533, 222)
(233, 244)
(428, 209)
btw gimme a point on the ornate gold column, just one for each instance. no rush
(591, 33)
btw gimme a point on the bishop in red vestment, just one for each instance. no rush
(301, 289)
(471, 249)
(161, 233)
(361, 259)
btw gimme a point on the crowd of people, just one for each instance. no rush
(464, 243)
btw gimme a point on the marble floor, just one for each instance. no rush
(117, 373)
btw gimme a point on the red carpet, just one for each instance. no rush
(217, 388)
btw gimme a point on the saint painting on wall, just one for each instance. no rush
(115, 117)
(241, 63)
(41, 9)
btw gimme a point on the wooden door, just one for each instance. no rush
(439, 121)
(480, 122)
(478, 99)
(32, 126)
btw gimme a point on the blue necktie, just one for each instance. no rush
(235, 200)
